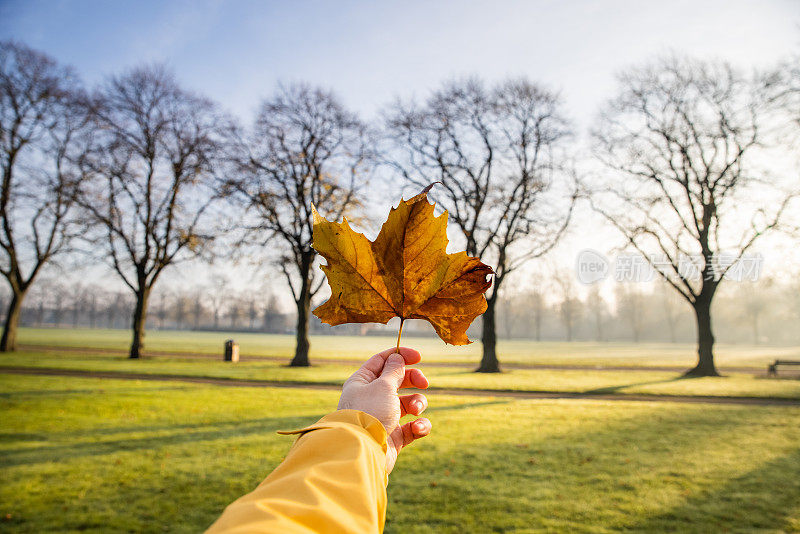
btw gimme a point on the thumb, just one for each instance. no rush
(394, 370)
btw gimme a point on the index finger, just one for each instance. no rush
(374, 366)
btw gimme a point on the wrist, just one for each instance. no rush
(369, 424)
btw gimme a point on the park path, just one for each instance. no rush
(354, 361)
(235, 382)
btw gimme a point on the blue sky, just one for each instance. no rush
(371, 52)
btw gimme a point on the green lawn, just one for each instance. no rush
(94, 455)
(326, 347)
(588, 380)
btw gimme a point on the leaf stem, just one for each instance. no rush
(400, 333)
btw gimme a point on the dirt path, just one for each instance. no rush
(353, 361)
(756, 401)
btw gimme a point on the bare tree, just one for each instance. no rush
(508, 308)
(684, 188)
(671, 304)
(151, 191)
(252, 313)
(783, 89)
(598, 307)
(794, 300)
(4, 299)
(59, 296)
(197, 311)
(42, 134)
(218, 295)
(497, 154)
(92, 306)
(235, 310)
(570, 306)
(40, 293)
(630, 307)
(754, 301)
(537, 310)
(272, 319)
(77, 295)
(304, 149)
(162, 309)
(181, 309)
(116, 305)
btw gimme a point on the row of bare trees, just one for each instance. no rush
(213, 306)
(123, 167)
(557, 310)
(554, 308)
(144, 174)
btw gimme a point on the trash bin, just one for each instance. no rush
(231, 351)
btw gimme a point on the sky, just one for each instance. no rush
(373, 52)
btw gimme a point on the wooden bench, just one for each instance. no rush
(772, 369)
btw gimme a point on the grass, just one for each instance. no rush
(79, 454)
(588, 380)
(327, 347)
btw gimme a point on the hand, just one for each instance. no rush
(373, 390)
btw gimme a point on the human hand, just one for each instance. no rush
(373, 390)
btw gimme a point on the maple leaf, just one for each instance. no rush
(404, 273)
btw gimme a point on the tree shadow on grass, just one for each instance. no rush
(761, 499)
(182, 433)
(10, 437)
(223, 428)
(605, 390)
(595, 475)
(464, 406)
(608, 390)
(143, 427)
(20, 395)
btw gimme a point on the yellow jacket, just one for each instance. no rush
(333, 480)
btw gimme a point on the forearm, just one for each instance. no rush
(333, 480)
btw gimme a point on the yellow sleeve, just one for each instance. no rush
(333, 480)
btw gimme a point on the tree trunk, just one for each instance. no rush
(598, 322)
(756, 335)
(303, 310)
(705, 340)
(8, 343)
(303, 345)
(672, 327)
(489, 362)
(508, 324)
(139, 318)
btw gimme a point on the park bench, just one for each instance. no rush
(772, 369)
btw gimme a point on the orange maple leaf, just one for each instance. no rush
(404, 273)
